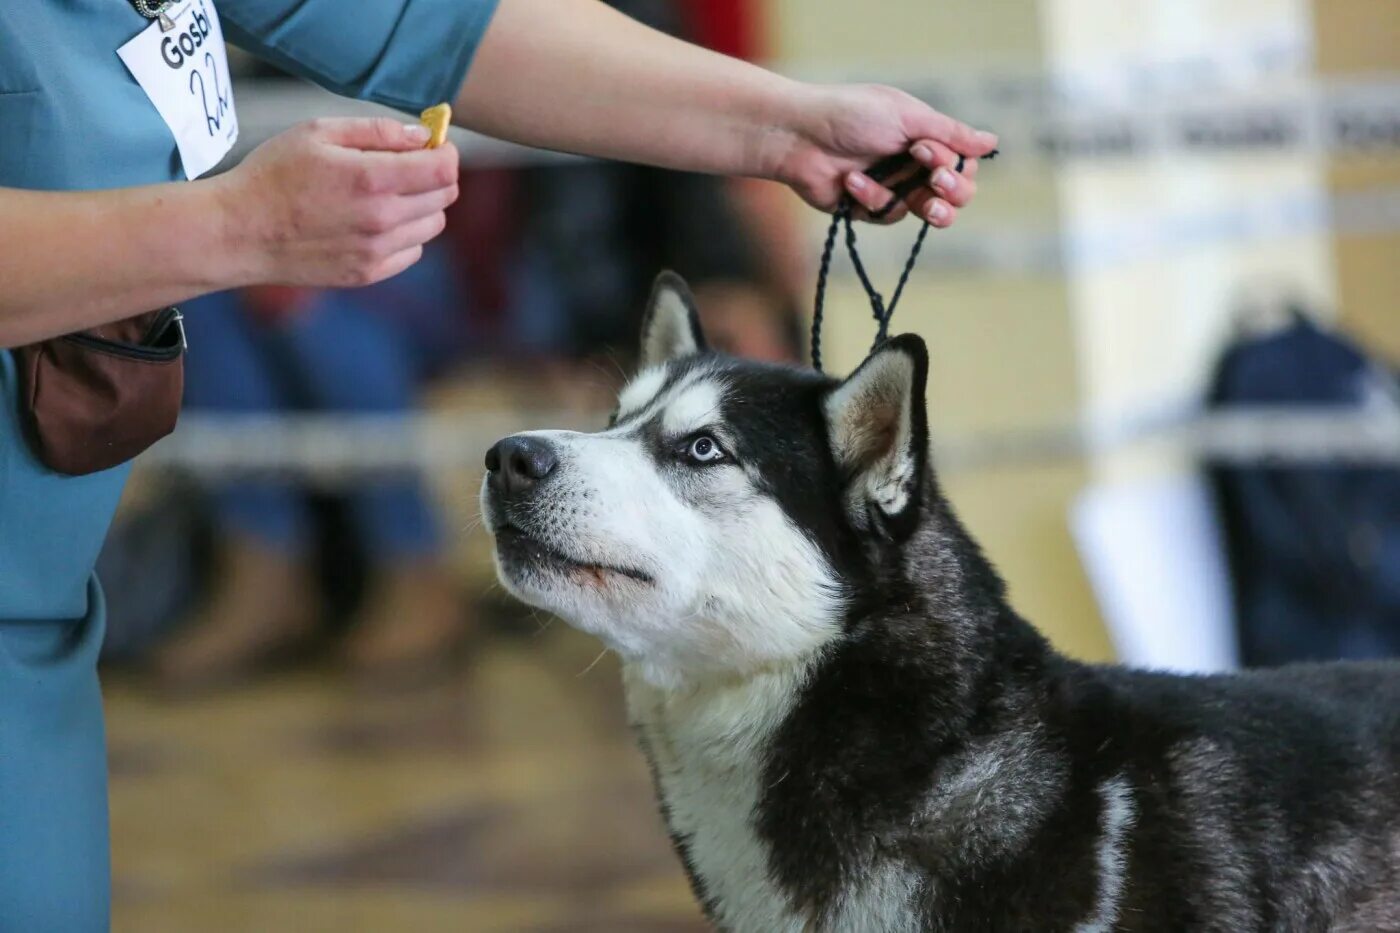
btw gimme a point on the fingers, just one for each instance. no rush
(928, 206)
(414, 233)
(386, 214)
(382, 134)
(932, 125)
(868, 193)
(938, 203)
(394, 265)
(408, 208)
(407, 172)
(387, 157)
(897, 212)
(374, 258)
(954, 187)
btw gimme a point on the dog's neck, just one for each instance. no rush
(741, 761)
(706, 742)
(740, 709)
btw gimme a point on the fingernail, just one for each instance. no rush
(986, 138)
(416, 132)
(938, 212)
(855, 182)
(945, 179)
(923, 153)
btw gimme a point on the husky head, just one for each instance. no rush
(732, 514)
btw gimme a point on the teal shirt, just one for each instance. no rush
(72, 117)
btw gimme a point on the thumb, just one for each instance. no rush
(382, 134)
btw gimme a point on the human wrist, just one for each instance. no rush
(788, 147)
(234, 253)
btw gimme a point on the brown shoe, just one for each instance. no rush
(410, 628)
(261, 613)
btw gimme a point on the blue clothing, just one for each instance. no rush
(53, 776)
(72, 117)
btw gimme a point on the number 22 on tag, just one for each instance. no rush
(183, 68)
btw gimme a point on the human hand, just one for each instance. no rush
(840, 130)
(337, 202)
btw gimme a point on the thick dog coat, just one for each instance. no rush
(850, 729)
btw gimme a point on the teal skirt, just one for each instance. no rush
(54, 861)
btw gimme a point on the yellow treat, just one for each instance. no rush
(436, 119)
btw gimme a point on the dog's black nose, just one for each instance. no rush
(518, 462)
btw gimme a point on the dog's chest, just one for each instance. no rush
(708, 754)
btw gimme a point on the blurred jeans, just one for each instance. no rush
(362, 350)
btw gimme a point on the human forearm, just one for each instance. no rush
(73, 260)
(578, 76)
(327, 203)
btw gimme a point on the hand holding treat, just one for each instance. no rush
(339, 202)
(437, 119)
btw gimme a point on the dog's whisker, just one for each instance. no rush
(611, 358)
(590, 667)
(541, 626)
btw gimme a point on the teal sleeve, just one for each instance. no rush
(408, 54)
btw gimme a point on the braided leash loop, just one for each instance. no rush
(842, 216)
(819, 305)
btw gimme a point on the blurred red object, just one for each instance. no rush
(483, 230)
(272, 304)
(734, 27)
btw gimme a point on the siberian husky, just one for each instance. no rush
(848, 726)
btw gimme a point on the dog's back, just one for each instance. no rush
(1268, 800)
(1087, 798)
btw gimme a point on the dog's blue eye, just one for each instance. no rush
(704, 449)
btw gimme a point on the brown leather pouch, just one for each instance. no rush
(97, 398)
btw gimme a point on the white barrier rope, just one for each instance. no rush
(340, 448)
(965, 249)
(1257, 104)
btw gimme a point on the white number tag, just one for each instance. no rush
(184, 71)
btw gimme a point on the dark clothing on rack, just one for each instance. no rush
(1314, 548)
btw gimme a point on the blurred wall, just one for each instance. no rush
(1356, 38)
(1098, 340)
(1149, 328)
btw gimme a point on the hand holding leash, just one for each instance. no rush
(837, 131)
(911, 177)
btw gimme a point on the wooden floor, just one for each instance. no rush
(508, 799)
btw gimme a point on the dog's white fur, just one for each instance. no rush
(1118, 816)
(736, 586)
(706, 743)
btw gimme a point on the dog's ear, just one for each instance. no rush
(671, 328)
(878, 424)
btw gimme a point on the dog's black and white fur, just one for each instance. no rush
(849, 727)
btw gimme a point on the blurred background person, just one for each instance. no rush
(268, 350)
